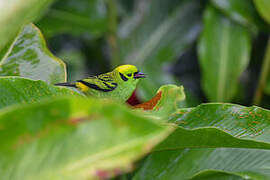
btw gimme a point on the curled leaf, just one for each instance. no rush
(166, 100)
(149, 105)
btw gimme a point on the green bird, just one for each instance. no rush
(118, 84)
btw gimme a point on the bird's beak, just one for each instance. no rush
(139, 75)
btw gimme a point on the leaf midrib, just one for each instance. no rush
(222, 68)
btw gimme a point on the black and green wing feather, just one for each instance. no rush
(103, 82)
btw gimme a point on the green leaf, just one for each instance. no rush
(74, 138)
(263, 6)
(16, 13)
(157, 33)
(220, 125)
(242, 11)
(75, 17)
(213, 137)
(224, 51)
(165, 102)
(187, 163)
(28, 56)
(16, 90)
(213, 175)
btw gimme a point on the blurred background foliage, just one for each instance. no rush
(215, 48)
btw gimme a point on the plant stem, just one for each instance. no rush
(112, 32)
(263, 76)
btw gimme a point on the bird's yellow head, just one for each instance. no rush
(129, 72)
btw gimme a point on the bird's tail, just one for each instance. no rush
(69, 84)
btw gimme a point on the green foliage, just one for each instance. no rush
(17, 90)
(74, 60)
(263, 7)
(221, 62)
(75, 17)
(266, 88)
(242, 11)
(212, 175)
(50, 132)
(14, 14)
(152, 37)
(27, 56)
(171, 95)
(73, 138)
(213, 136)
(188, 163)
(222, 125)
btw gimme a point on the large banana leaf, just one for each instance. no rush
(224, 50)
(187, 163)
(73, 138)
(220, 125)
(27, 56)
(224, 137)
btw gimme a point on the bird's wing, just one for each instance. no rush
(103, 82)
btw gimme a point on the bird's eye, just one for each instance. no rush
(129, 74)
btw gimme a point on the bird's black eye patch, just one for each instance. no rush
(129, 74)
(123, 77)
